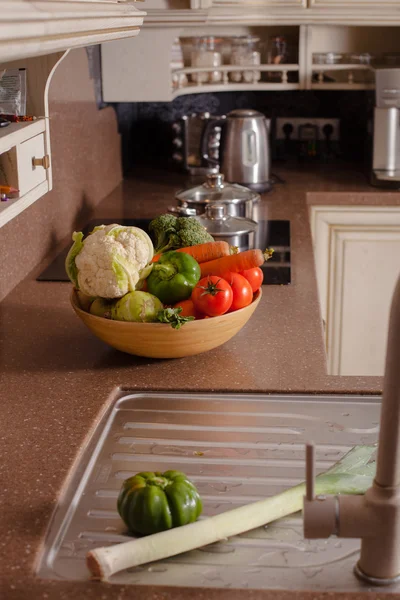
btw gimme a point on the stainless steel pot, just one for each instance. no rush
(239, 200)
(237, 231)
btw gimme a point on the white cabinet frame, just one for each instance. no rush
(333, 228)
(35, 28)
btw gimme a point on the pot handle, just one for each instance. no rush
(204, 139)
(182, 211)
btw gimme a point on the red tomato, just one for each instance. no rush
(242, 291)
(212, 296)
(188, 309)
(255, 277)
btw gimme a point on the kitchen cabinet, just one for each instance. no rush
(316, 26)
(35, 36)
(25, 154)
(163, 47)
(357, 261)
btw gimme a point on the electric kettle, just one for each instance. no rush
(244, 153)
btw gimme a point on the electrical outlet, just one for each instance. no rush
(284, 124)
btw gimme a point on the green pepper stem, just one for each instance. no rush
(161, 482)
(268, 252)
(165, 271)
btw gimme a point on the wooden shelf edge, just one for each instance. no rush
(343, 86)
(10, 209)
(234, 87)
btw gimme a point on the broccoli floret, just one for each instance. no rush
(191, 232)
(163, 231)
(170, 232)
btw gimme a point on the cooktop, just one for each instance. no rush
(272, 233)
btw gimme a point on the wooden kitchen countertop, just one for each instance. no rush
(56, 377)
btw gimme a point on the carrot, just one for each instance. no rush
(203, 252)
(235, 263)
(208, 251)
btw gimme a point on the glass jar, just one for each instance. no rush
(206, 53)
(277, 54)
(361, 59)
(245, 53)
(277, 50)
(327, 58)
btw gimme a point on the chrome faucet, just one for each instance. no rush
(375, 516)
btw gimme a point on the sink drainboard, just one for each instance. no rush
(236, 448)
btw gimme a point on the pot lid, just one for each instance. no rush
(215, 189)
(219, 223)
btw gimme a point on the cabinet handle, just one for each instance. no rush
(41, 162)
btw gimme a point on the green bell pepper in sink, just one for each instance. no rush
(153, 502)
(173, 277)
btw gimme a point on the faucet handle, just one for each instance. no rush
(319, 512)
(310, 471)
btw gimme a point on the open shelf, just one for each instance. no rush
(20, 143)
(352, 45)
(181, 83)
(25, 153)
(14, 206)
(351, 77)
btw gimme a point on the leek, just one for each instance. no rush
(353, 474)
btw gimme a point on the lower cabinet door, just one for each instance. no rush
(357, 259)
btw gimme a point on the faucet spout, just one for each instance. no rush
(388, 459)
(380, 549)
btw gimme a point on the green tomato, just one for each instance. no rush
(153, 502)
(173, 277)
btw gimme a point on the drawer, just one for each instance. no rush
(29, 174)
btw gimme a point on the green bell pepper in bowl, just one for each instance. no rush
(153, 502)
(173, 277)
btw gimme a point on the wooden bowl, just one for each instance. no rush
(160, 340)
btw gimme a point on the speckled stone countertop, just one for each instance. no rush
(56, 377)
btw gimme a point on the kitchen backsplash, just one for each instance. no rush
(147, 134)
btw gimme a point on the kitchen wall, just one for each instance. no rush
(86, 161)
(147, 134)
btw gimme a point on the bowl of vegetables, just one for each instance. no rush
(150, 294)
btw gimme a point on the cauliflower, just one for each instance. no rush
(110, 261)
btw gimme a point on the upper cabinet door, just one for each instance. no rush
(378, 4)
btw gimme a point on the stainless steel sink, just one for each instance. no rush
(237, 448)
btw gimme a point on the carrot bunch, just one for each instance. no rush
(204, 252)
(219, 258)
(235, 263)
